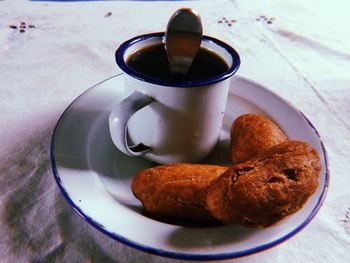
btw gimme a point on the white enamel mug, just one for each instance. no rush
(167, 121)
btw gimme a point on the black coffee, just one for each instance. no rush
(152, 61)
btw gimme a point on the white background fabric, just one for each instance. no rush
(303, 55)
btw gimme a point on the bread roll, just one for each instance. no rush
(176, 191)
(252, 134)
(263, 190)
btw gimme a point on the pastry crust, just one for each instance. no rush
(253, 134)
(176, 191)
(263, 190)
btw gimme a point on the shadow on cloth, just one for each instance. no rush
(37, 224)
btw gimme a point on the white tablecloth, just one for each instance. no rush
(298, 49)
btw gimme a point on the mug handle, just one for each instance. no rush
(118, 123)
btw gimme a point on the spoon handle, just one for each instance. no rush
(182, 40)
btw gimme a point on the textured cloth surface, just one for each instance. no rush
(50, 52)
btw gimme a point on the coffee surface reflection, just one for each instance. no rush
(152, 61)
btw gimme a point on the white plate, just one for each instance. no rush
(95, 177)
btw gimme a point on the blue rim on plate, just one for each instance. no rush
(119, 57)
(179, 255)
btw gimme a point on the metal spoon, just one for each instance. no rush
(183, 37)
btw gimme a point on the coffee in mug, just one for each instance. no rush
(152, 61)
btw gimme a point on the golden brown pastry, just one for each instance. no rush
(252, 134)
(265, 189)
(176, 191)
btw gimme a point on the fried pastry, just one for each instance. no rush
(176, 191)
(252, 134)
(261, 191)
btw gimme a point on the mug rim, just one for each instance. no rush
(120, 52)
